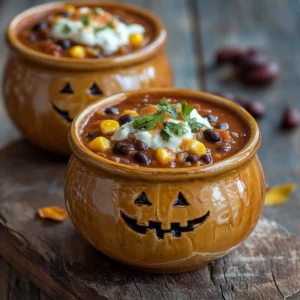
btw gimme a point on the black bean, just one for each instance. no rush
(290, 118)
(256, 108)
(211, 118)
(125, 119)
(253, 59)
(123, 148)
(191, 159)
(139, 145)
(39, 26)
(112, 111)
(212, 136)
(65, 44)
(142, 158)
(223, 126)
(242, 102)
(229, 55)
(224, 148)
(91, 135)
(206, 158)
(260, 75)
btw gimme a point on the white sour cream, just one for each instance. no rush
(110, 39)
(153, 138)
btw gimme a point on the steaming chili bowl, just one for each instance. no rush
(225, 198)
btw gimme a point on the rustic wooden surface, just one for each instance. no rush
(196, 29)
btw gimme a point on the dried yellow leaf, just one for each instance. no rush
(53, 212)
(279, 194)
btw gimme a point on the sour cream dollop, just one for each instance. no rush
(109, 38)
(153, 138)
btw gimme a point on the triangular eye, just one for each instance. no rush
(142, 199)
(67, 89)
(95, 90)
(180, 201)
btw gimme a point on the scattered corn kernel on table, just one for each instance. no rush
(266, 267)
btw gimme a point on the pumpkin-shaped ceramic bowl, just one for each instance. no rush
(226, 199)
(44, 93)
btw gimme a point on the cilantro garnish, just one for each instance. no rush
(98, 29)
(96, 11)
(170, 129)
(171, 109)
(85, 20)
(148, 122)
(186, 111)
(195, 125)
(66, 29)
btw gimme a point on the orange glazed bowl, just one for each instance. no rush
(43, 93)
(225, 198)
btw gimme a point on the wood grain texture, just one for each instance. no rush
(196, 29)
(59, 261)
(273, 26)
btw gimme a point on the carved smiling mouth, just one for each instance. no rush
(64, 114)
(176, 229)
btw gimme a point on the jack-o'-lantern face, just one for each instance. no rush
(161, 211)
(68, 98)
(175, 228)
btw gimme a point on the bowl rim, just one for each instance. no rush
(153, 48)
(160, 174)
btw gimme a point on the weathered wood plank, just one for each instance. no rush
(271, 25)
(58, 260)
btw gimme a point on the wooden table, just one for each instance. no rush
(196, 29)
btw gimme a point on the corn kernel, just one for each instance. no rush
(197, 148)
(70, 8)
(164, 155)
(109, 126)
(130, 112)
(100, 144)
(136, 39)
(77, 52)
(55, 19)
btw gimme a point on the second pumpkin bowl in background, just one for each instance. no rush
(43, 93)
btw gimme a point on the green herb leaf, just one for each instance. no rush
(85, 20)
(98, 29)
(195, 125)
(171, 109)
(148, 122)
(186, 110)
(96, 11)
(66, 29)
(171, 129)
(165, 135)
